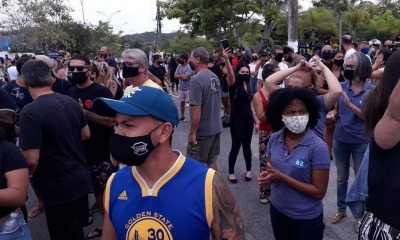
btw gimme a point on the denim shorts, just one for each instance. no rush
(20, 233)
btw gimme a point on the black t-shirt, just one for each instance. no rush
(159, 72)
(216, 69)
(240, 100)
(61, 86)
(96, 147)
(384, 183)
(172, 66)
(11, 159)
(112, 63)
(53, 124)
(8, 104)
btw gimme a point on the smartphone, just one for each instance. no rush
(225, 44)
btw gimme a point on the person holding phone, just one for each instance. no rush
(298, 165)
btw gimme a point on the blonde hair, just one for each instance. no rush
(105, 75)
(310, 78)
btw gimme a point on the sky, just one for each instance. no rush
(135, 16)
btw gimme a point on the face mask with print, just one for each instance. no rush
(131, 151)
(296, 124)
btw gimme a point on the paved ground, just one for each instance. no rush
(255, 215)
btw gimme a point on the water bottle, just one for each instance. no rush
(11, 223)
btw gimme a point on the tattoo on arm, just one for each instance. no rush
(227, 223)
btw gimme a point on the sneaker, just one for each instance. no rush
(182, 119)
(265, 200)
(94, 208)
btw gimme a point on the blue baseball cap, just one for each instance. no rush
(140, 101)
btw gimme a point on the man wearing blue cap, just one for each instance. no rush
(161, 194)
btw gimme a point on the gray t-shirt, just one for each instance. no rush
(184, 85)
(205, 92)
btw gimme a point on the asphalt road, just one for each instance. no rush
(255, 215)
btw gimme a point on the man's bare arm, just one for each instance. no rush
(227, 223)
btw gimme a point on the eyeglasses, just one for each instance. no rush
(78, 68)
(350, 67)
(130, 64)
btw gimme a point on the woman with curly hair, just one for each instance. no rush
(298, 165)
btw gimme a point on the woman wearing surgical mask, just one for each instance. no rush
(241, 124)
(349, 142)
(298, 165)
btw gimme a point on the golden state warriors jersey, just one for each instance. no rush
(178, 206)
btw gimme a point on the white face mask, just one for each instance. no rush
(295, 124)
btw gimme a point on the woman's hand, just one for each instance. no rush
(226, 52)
(274, 174)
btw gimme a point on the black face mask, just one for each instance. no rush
(243, 77)
(289, 59)
(159, 62)
(77, 77)
(192, 66)
(131, 151)
(279, 57)
(338, 62)
(128, 72)
(255, 58)
(326, 55)
(348, 74)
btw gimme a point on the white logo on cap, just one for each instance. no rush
(132, 92)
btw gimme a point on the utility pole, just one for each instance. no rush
(293, 30)
(83, 13)
(158, 32)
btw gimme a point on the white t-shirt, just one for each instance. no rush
(281, 65)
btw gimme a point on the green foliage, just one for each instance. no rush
(387, 25)
(46, 25)
(185, 44)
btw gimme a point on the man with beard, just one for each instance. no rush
(290, 57)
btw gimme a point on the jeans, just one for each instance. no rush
(286, 228)
(20, 233)
(253, 86)
(343, 152)
(358, 192)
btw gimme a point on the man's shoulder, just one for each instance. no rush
(151, 83)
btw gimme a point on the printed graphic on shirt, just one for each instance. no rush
(123, 196)
(299, 163)
(149, 226)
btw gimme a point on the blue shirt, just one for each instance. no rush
(349, 127)
(178, 206)
(319, 129)
(311, 153)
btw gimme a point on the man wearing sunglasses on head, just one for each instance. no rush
(96, 148)
(134, 69)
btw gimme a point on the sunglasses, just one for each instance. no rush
(78, 68)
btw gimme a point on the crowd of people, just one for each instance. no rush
(78, 127)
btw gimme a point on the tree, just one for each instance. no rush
(224, 18)
(317, 23)
(184, 43)
(387, 25)
(354, 17)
